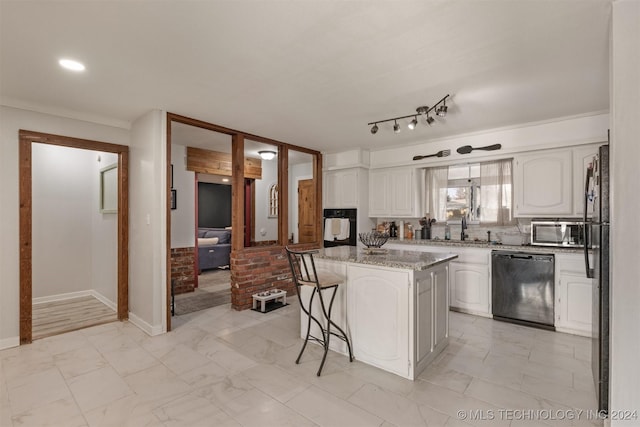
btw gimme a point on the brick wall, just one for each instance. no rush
(182, 269)
(257, 269)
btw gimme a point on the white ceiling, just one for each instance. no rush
(311, 73)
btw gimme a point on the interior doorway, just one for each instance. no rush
(119, 180)
(200, 223)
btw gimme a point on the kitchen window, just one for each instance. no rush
(481, 192)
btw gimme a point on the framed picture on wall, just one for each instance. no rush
(173, 199)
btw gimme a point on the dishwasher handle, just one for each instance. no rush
(516, 256)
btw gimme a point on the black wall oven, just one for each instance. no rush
(340, 227)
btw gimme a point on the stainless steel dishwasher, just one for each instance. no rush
(522, 288)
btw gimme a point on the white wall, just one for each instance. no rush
(183, 220)
(11, 121)
(62, 194)
(74, 244)
(625, 205)
(104, 237)
(148, 222)
(266, 228)
(563, 132)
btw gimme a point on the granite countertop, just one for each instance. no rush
(483, 244)
(393, 258)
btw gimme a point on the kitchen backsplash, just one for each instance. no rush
(474, 231)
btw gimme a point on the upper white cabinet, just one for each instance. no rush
(543, 183)
(341, 188)
(394, 193)
(582, 158)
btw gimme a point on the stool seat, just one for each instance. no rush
(325, 280)
(303, 271)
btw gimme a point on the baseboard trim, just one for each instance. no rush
(106, 301)
(146, 327)
(71, 295)
(62, 297)
(9, 342)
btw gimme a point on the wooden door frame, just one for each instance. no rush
(26, 139)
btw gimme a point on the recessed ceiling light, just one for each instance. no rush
(72, 65)
(225, 179)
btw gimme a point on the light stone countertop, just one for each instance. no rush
(393, 258)
(482, 244)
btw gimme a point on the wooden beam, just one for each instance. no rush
(237, 192)
(25, 240)
(216, 163)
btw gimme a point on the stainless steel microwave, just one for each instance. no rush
(560, 232)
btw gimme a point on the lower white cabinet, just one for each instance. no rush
(470, 287)
(431, 297)
(379, 318)
(573, 293)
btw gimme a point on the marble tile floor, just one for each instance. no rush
(220, 367)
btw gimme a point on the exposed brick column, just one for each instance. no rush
(257, 269)
(182, 269)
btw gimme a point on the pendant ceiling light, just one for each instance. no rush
(267, 154)
(440, 109)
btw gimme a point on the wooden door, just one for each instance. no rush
(307, 211)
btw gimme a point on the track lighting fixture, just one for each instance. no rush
(440, 109)
(267, 154)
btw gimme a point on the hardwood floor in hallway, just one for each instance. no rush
(56, 317)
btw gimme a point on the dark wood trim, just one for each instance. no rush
(317, 176)
(123, 235)
(168, 235)
(237, 192)
(199, 123)
(26, 138)
(25, 241)
(283, 196)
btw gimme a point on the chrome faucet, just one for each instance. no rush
(463, 235)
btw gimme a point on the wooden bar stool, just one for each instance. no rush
(304, 273)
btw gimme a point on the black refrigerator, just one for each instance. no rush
(597, 203)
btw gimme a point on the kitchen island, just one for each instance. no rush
(393, 305)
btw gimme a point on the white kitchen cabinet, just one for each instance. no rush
(470, 287)
(573, 293)
(341, 188)
(469, 276)
(543, 183)
(582, 158)
(431, 297)
(394, 193)
(379, 317)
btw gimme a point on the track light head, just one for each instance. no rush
(430, 120)
(396, 127)
(413, 123)
(374, 128)
(442, 111)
